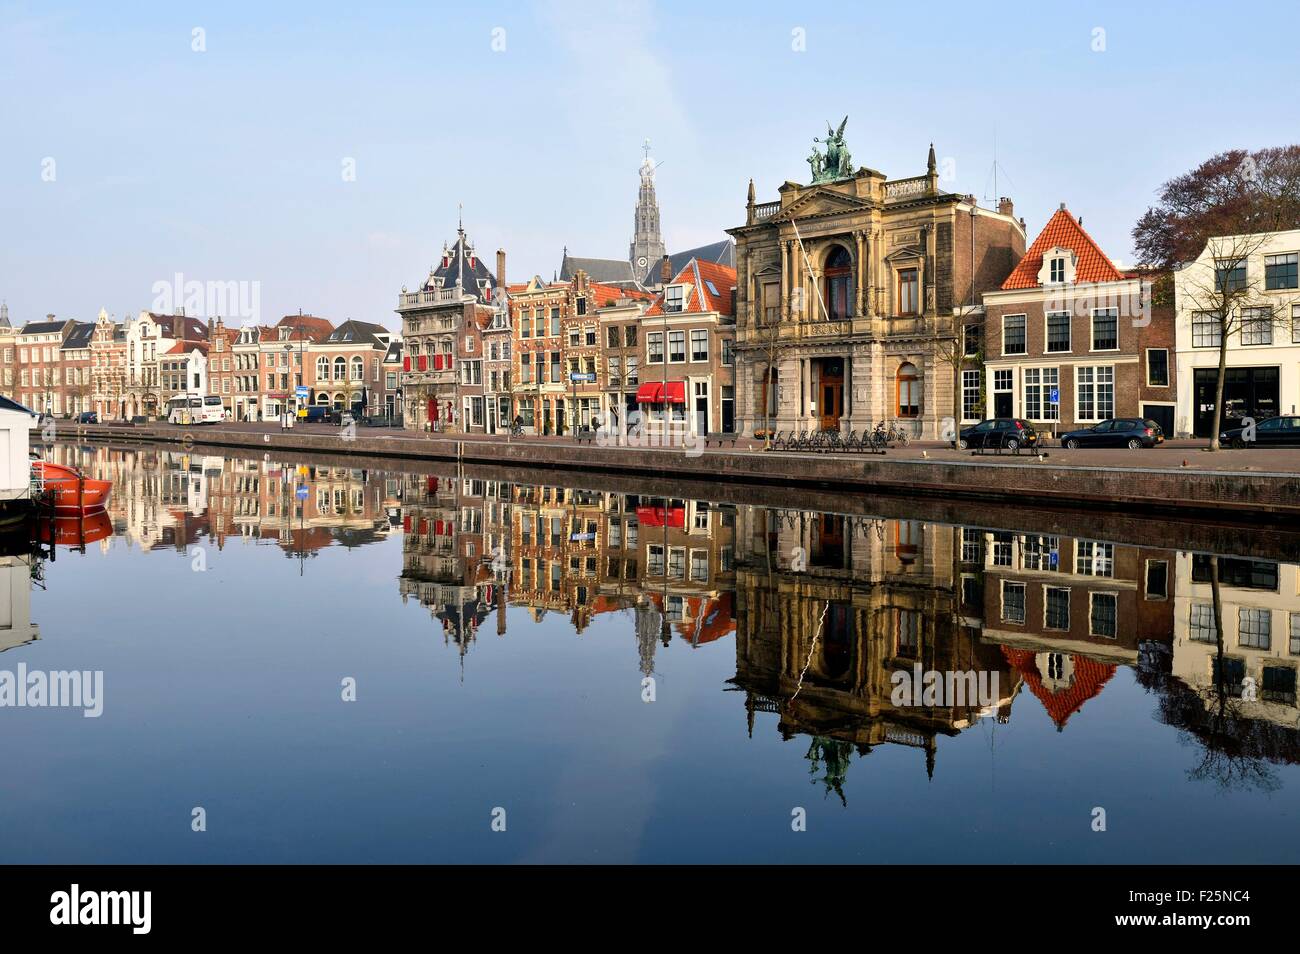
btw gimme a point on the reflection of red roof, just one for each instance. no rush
(1089, 678)
(712, 620)
(1063, 231)
(654, 517)
(653, 393)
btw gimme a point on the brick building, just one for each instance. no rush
(538, 311)
(39, 383)
(77, 390)
(688, 371)
(108, 368)
(1070, 340)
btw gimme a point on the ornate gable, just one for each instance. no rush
(821, 201)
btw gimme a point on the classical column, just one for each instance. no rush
(860, 281)
(785, 280)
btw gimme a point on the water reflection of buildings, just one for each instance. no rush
(825, 608)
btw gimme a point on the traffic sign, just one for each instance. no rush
(302, 391)
(301, 492)
(579, 377)
(1054, 395)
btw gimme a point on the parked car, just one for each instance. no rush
(1009, 433)
(314, 414)
(1130, 432)
(88, 417)
(1271, 432)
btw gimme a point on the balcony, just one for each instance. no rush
(433, 296)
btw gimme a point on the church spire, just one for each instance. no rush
(647, 246)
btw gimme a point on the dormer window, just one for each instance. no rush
(1057, 275)
(675, 298)
(1058, 267)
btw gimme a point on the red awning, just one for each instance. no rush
(654, 517)
(654, 393)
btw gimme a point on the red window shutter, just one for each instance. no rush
(406, 363)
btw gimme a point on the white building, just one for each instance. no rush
(1263, 357)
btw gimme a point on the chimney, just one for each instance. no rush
(1005, 207)
(49, 317)
(501, 268)
(666, 270)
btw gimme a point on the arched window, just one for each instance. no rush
(340, 368)
(338, 399)
(358, 368)
(909, 391)
(323, 399)
(839, 284)
(322, 368)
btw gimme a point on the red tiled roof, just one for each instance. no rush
(1063, 231)
(1089, 678)
(181, 347)
(699, 274)
(602, 295)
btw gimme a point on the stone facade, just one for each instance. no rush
(848, 294)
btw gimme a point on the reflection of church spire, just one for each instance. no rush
(647, 631)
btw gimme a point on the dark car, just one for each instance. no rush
(1271, 432)
(1131, 432)
(88, 417)
(314, 414)
(1008, 433)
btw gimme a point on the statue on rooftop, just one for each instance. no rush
(836, 164)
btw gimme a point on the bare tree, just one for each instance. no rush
(1220, 290)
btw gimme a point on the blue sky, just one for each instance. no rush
(226, 165)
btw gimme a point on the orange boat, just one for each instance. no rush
(72, 490)
(76, 530)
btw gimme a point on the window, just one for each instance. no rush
(909, 391)
(612, 368)
(676, 346)
(1058, 331)
(1157, 583)
(1041, 554)
(1105, 329)
(1042, 394)
(1295, 324)
(1157, 368)
(1230, 276)
(358, 368)
(1201, 627)
(555, 367)
(1013, 602)
(699, 344)
(728, 352)
(1000, 552)
(555, 322)
(629, 336)
(1207, 329)
(323, 369)
(1057, 271)
(674, 298)
(1280, 271)
(970, 395)
(1294, 646)
(1096, 393)
(612, 337)
(1256, 326)
(631, 371)
(525, 368)
(1013, 334)
(972, 340)
(1094, 559)
(1254, 628)
(1102, 613)
(340, 368)
(908, 291)
(1056, 607)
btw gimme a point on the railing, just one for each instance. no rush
(764, 211)
(905, 188)
(431, 296)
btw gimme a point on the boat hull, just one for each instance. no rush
(70, 491)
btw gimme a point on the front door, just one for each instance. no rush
(831, 399)
(1162, 414)
(1002, 403)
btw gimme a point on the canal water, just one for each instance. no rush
(313, 662)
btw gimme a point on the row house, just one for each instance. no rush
(148, 337)
(688, 375)
(75, 369)
(8, 355)
(538, 312)
(1258, 278)
(246, 362)
(849, 292)
(618, 317)
(498, 369)
(289, 361)
(391, 398)
(184, 369)
(347, 367)
(108, 368)
(221, 363)
(580, 331)
(39, 379)
(456, 298)
(1069, 340)
(469, 372)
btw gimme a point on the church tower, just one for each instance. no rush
(647, 245)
